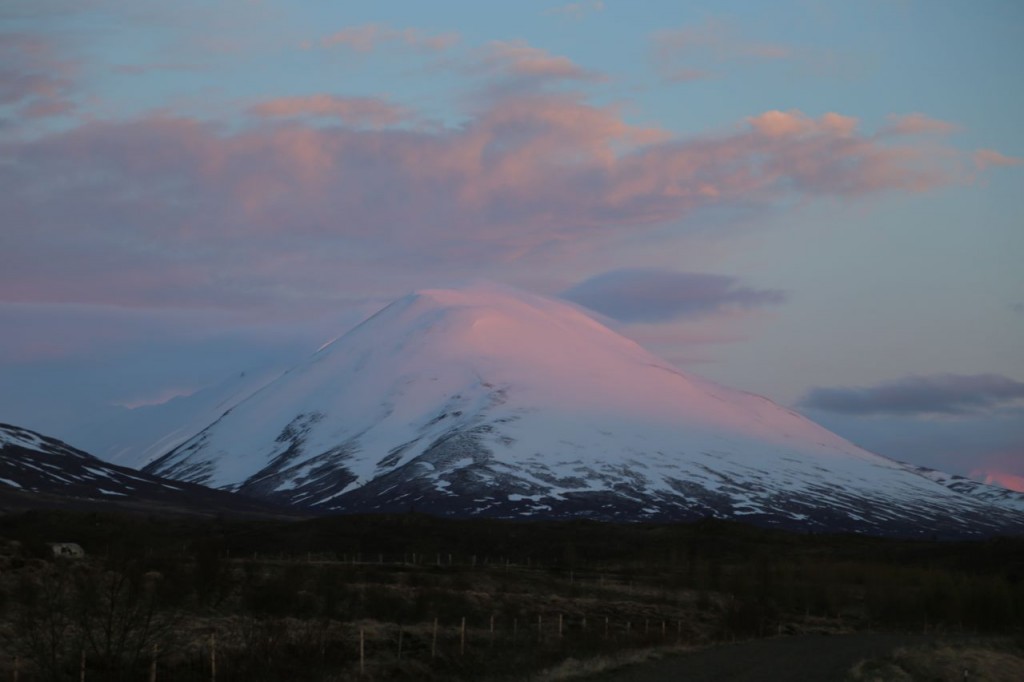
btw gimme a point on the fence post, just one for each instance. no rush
(213, 657)
(559, 626)
(433, 641)
(515, 629)
(492, 630)
(400, 630)
(606, 627)
(362, 651)
(81, 667)
(462, 637)
(583, 625)
(152, 665)
(540, 628)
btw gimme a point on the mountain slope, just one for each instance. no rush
(134, 437)
(39, 471)
(993, 494)
(496, 402)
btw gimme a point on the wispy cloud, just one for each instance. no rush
(522, 59)
(717, 38)
(708, 47)
(943, 394)
(357, 110)
(987, 158)
(651, 295)
(917, 124)
(516, 67)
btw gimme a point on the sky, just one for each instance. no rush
(820, 202)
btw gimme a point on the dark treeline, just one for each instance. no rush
(266, 600)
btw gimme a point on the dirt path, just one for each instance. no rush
(803, 658)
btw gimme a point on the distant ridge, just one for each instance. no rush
(37, 471)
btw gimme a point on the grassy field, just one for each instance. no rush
(418, 598)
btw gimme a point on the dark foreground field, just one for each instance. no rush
(854, 657)
(415, 598)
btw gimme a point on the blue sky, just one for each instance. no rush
(788, 197)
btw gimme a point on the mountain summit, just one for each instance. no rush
(489, 401)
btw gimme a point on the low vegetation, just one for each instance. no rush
(992, 661)
(418, 598)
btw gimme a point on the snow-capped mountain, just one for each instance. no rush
(487, 401)
(36, 470)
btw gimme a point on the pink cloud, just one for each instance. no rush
(369, 37)
(358, 38)
(517, 68)
(986, 158)
(918, 124)
(794, 123)
(781, 123)
(358, 110)
(827, 155)
(522, 59)
(1001, 478)
(838, 125)
(170, 209)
